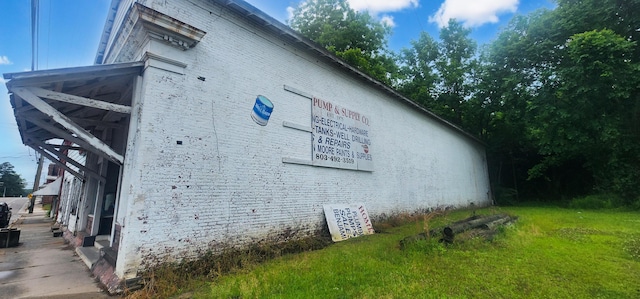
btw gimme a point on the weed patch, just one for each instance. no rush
(632, 246)
(577, 234)
(385, 222)
(596, 202)
(170, 279)
(551, 252)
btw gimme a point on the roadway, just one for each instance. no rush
(16, 204)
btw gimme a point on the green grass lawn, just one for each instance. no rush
(549, 253)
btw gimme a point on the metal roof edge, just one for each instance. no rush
(106, 32)
(71, 70)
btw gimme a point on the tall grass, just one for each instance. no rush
(595, 202)
(549, 253)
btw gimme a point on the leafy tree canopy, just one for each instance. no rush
(353, 36)
(439, 75)
(12, 181)
(556, 96)
(562, 95)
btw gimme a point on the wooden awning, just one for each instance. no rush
(73, 104)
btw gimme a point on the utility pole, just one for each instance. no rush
(36, 183)
(35, 4)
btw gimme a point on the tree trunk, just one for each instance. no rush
(452, 230)
(493, 224)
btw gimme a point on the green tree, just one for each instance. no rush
(509, 73)
(561, 99)
(356, 37)
(441, 75)
(417, 70)
(591, 117)
(456, 68)
(12, 181)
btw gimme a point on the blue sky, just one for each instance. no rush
(69, 32)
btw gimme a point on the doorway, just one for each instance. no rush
(109, 200)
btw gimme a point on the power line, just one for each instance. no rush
(14, 157)
(418, 19)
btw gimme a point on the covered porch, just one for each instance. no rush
(79, 119)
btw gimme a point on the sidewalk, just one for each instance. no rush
(43, 266)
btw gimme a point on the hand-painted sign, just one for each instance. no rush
(262, 110)
(347, 221)
(341, 137)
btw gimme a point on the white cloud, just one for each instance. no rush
(373, 7)
(376, 6)
(4, 60)
(387, 20)
(2, 80)
(290, 11)
(472, 12)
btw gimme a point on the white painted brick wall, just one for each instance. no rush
(226, 184)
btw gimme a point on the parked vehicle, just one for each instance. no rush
(5, 214)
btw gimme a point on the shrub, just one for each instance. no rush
(595, 202)
(506, 196)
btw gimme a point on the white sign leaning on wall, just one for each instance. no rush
(341, 137)
(347, 221)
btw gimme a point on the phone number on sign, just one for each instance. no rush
(334, 159)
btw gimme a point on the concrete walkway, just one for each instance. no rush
(43, 266)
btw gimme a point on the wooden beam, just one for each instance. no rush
(66, 147)
(89, 88)
(62, 134)
(22, 124)
(110, 115)
(32, 130)
(64, 121)
(53, 159)
(58, 86)
(61, 156)
(97, 123)
(71, 99)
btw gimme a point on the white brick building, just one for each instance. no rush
(171, 142)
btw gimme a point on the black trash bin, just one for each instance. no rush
(9, 237)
